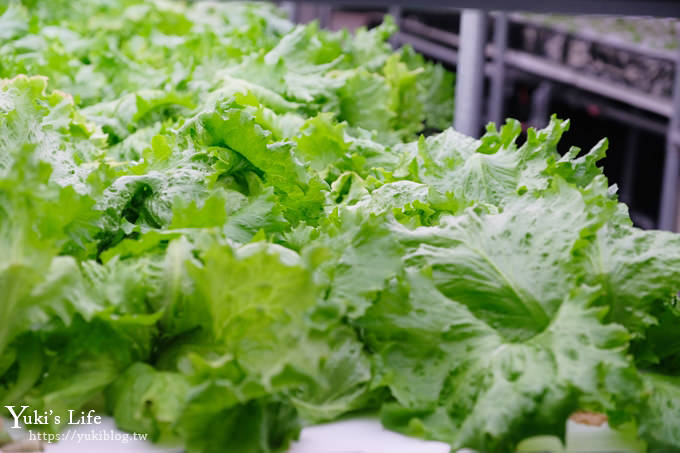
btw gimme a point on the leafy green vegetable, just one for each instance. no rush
(231, 228)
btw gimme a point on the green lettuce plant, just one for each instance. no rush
(230, 227)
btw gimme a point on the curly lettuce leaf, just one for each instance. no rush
(458, 379)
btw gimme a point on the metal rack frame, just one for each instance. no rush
(661, 8)
(472, 69)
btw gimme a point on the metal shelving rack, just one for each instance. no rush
(472, 51)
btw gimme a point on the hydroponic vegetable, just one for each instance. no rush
(222, 227)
